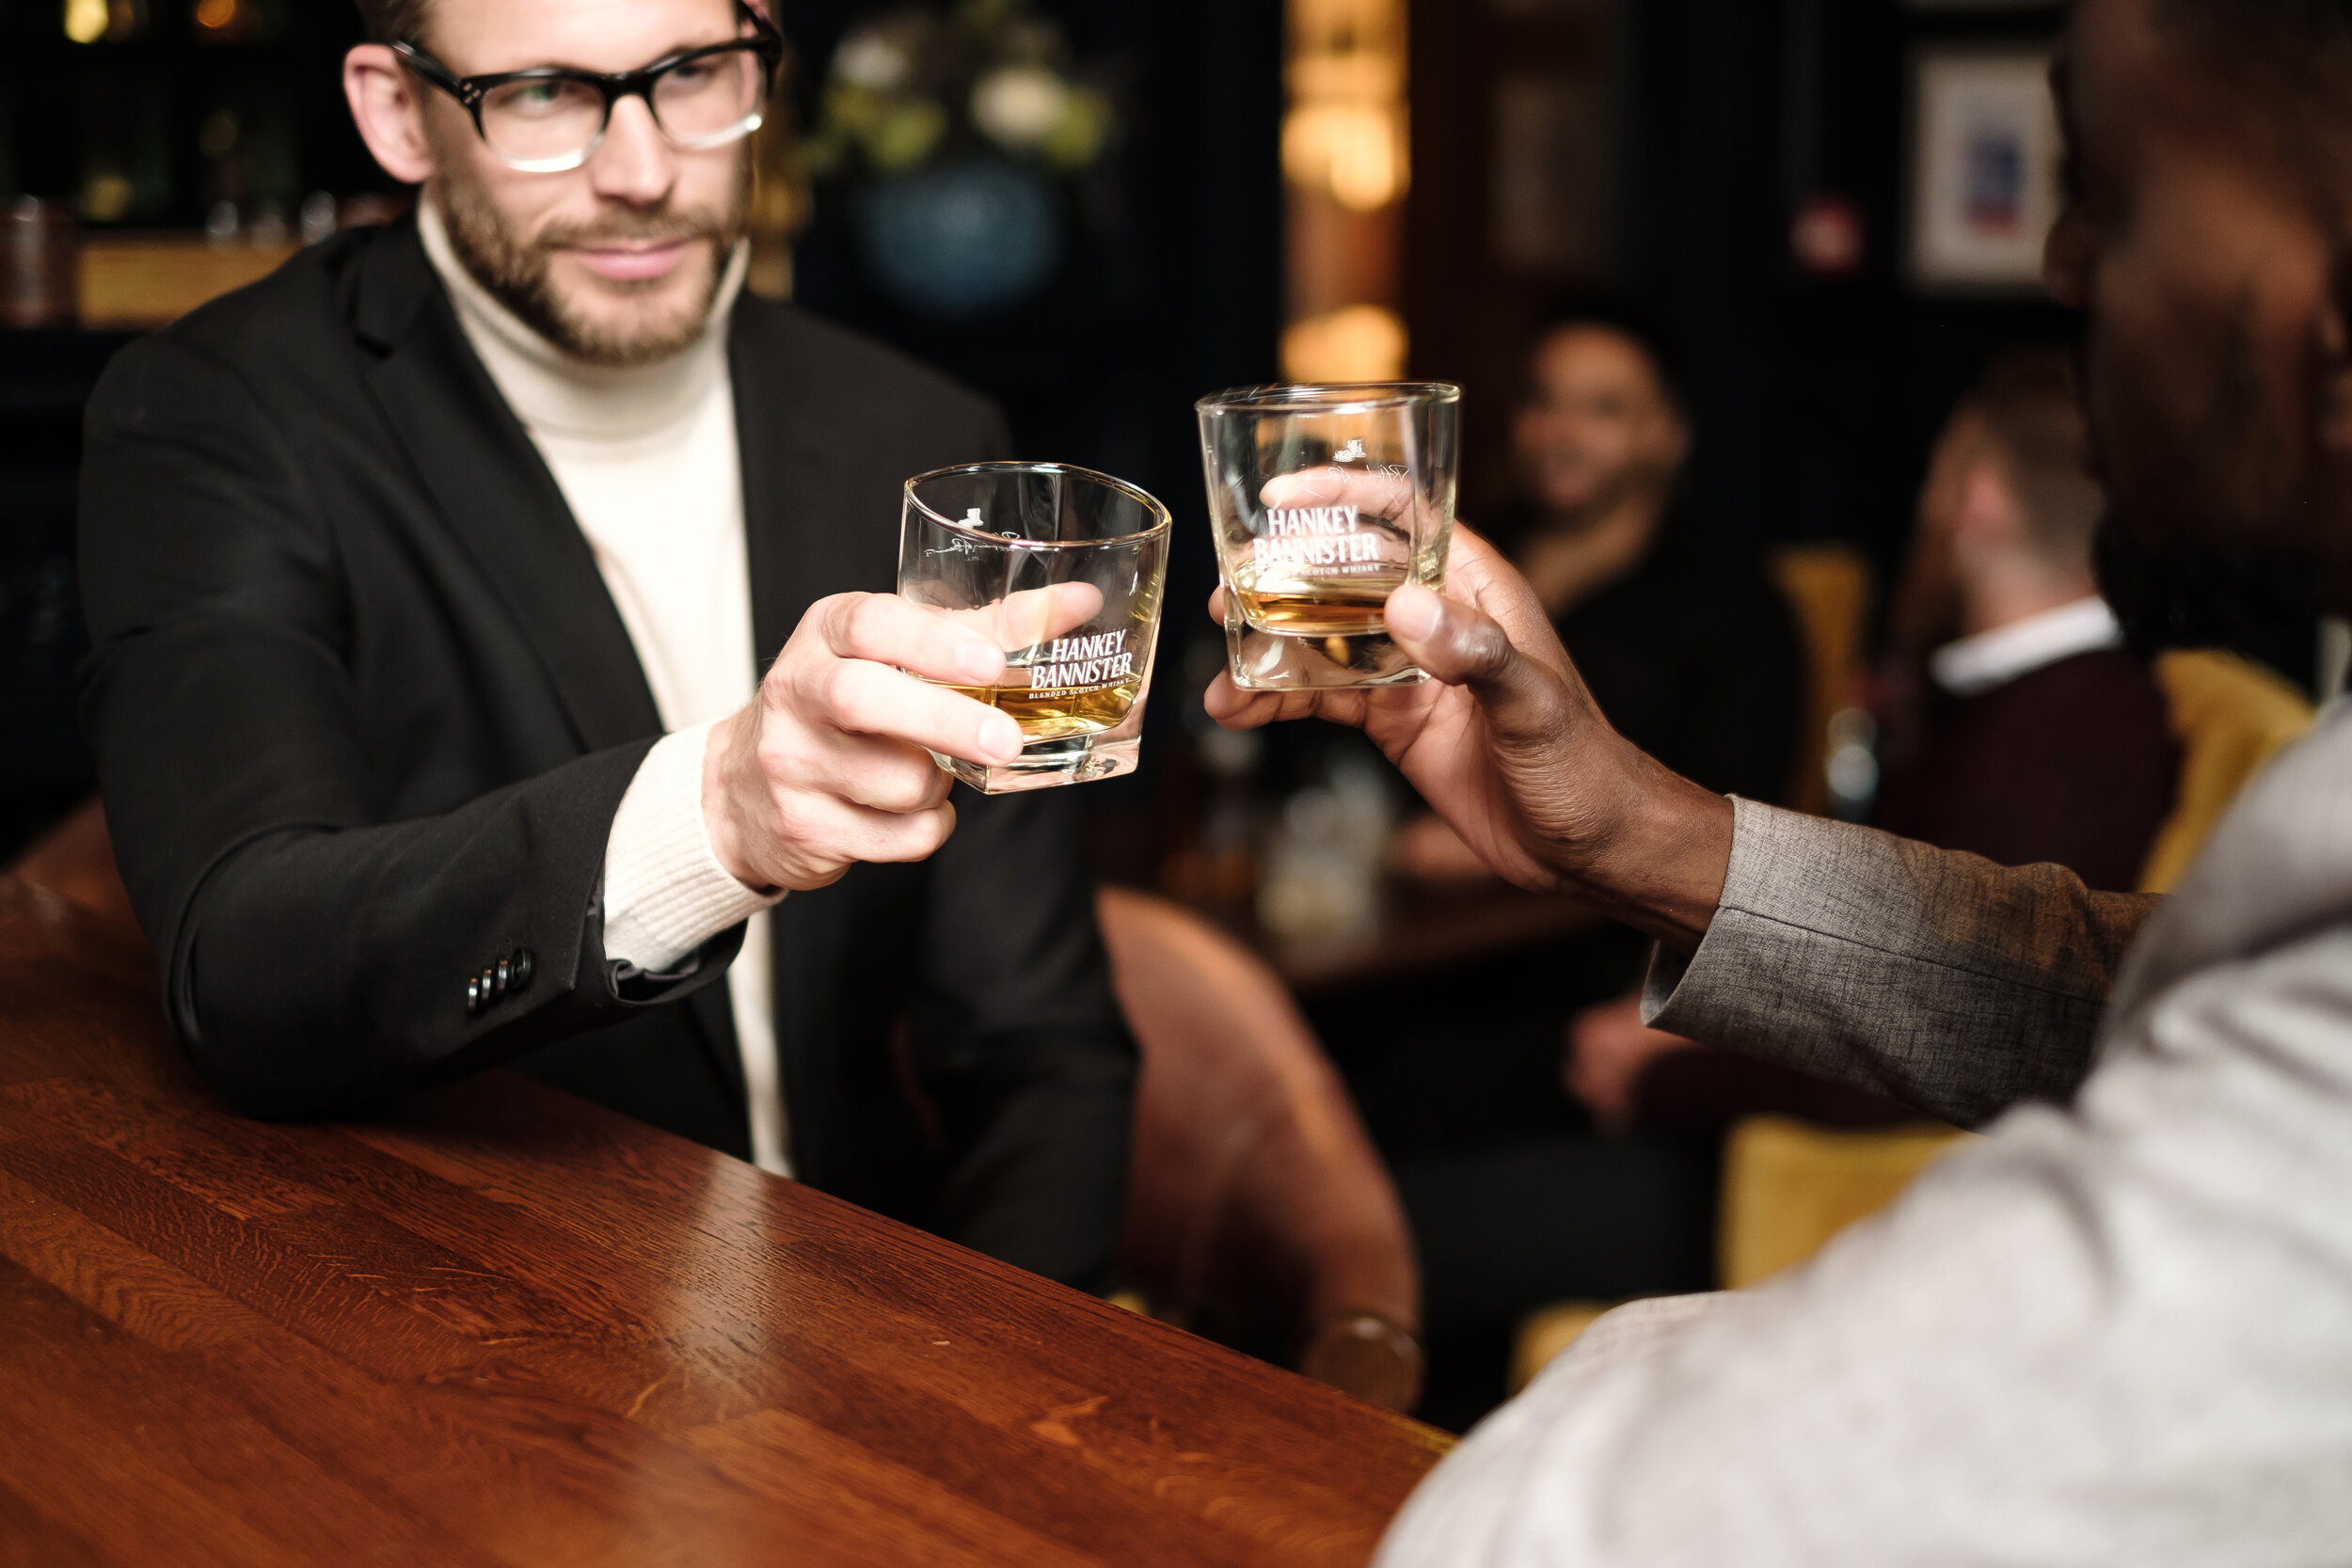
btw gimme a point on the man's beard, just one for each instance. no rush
(2209, 539)
(2227, 591)
(519, 275)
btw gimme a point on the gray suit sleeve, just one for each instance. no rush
(1939, 979)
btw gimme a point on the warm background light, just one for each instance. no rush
(1357, 150)
(86, 20)
(1356, 343)
(1347, 129)
(1346, 164)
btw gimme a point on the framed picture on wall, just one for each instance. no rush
(1984, 168)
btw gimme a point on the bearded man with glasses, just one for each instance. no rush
(432, 583)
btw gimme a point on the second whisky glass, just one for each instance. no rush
(1325, 498)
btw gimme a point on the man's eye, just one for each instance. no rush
(536, 95)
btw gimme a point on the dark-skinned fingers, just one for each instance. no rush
(1460, 647)
(1236, 709)
(1478, 573)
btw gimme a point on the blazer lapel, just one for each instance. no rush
(506, 510)
(500, 498)
(801, 511)
(798, 505)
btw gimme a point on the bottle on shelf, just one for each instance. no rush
(39, 253)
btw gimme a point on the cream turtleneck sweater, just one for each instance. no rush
(647, 460)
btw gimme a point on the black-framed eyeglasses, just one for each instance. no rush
(551, 118)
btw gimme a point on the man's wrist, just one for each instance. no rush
(1659, 864)
(666, 890)
(718, 805)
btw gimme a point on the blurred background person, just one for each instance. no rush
(2043, 739)
(1684, 640)
(2036, 736)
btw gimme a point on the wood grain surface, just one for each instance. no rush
(500, 1326)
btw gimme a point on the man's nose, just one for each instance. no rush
(636, 165)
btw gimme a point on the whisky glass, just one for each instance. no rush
(1063, 569)
(1324, 500)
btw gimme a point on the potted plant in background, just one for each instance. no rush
(953, 136)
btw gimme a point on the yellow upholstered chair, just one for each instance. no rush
(1790, 1188)
(1787, 1189)
(2231, 717)
(1828, 586)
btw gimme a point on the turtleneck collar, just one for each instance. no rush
(558, 396)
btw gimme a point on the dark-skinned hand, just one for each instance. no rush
(1506, 744)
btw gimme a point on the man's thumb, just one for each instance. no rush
(1460, 647)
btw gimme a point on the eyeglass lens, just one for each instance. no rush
(698, 102)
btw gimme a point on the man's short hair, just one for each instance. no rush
(2304, 45)
(2027, 405)
(392, 21)
(1645, 328)
(2310, 18)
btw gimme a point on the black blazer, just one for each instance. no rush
(363, 712)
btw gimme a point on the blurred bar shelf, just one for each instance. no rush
(133, 282)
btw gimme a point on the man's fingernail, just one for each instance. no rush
(1414, 611)
(1000, 738)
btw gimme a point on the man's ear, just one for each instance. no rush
(384, 106)
(1987, 521)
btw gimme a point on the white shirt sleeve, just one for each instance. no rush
(2111, 1333)
(666, 893)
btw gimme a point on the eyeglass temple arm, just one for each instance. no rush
(433, 70)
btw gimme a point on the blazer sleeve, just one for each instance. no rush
(314, 956)
(1021, 1045)
(1936, 978)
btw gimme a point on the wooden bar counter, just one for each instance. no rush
(499, 1325)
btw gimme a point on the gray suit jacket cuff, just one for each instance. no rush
(1937, 978)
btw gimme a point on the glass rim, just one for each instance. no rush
(1328, 397)
(956, 525)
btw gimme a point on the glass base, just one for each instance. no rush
(1274, 661)
(1048, 764)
